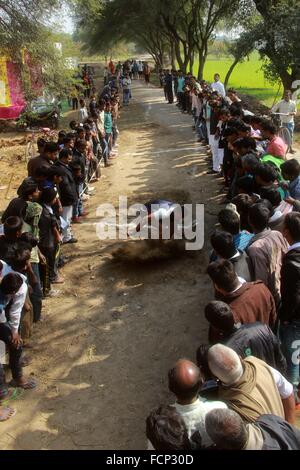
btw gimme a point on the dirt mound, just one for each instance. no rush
(149, 251)
(178, 196)
(6, 143)
(7, 125)
(253, 104)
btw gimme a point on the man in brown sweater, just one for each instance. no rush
(250, 301)
(266, 250)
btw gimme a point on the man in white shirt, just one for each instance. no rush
(218, 86)
(126, 83)
(288, 110)
(185, 381)
(13, 290)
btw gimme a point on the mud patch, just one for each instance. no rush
(149, 251)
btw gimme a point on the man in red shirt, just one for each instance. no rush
(276, 147)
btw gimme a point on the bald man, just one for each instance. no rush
(250, 386)
(185, 380)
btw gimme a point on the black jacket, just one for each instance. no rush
(47, 223)
(17, 208)
(79, 159)
(243, 266)
(67, 188)
(257, 339)
(290, 286)
(278, 434)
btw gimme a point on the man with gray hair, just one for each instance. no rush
(251, 387)
(228, 432)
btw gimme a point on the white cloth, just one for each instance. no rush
(18, 299)
(196, 104)
(126, 82)
(83, 115)
(100, 122)
(285, 107)
(219, 87)
(67, 217)
(294, 246)
(194, 416)
(214, 146)
(284, 387)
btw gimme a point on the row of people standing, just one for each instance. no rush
(38, 224)
(244, 390)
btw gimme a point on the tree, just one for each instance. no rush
(183, 28)
(278, 40)
(132, 20)
(23, 27)
(240, 49)
(20, 22)
(208, 14)
(191, 25)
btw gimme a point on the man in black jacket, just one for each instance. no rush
(79, 158)
(252, 339)
(228, 431)
(169, 87)
(290, 295)
(67, 193)
(224, 247)
(28, 191)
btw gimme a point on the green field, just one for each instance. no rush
(247, 77)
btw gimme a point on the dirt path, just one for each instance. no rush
(102, 352)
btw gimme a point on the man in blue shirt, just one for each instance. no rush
(291, 172)
(230, 222)
(180, 90)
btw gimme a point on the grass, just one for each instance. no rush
(247, 78)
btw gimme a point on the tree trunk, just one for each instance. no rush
(192, 61)
(182, 67)
(287, 80)
(230, 70)
(202, 60)
(173, 57)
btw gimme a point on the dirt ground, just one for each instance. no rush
(102, 353)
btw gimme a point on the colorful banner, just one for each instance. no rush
(4, 86)
(11, 91)
(15, 88)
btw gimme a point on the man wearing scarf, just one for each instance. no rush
(251, 387)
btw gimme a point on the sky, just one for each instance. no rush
(62, 21)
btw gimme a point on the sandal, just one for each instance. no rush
(6, 413)
(11, 395)
(30, 384)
